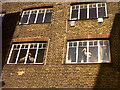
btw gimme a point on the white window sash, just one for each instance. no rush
(79, 12)
(70, 12)
(36, 53)
(87, 51)
(77, 52)
(106, 9)
(44, 16)
(97, 9)
(36, 16)
(21, 18)
(29, 17)
(88, 11)
(18, 54)
(98, 42)
(67, 52)
(27, 54)
(10, 54)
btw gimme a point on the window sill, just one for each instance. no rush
(26, 64)
(34, 23)
(86, 19)
(86, 63)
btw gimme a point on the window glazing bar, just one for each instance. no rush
(29, 17)
(88, 11)
(77, 52)
(87, 51)
(44, 16)
(106, 9)
(97, 9)
(99, 51)
(36, 53)
(36, 16)
(18, 53)
(67, 52)
(10, 54)
(70, 12)
(27, 54)
(79, 12)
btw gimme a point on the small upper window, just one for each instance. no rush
(32, 53)
(88, 51)
(88, 11)
(36, 16)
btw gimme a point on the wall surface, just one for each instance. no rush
(55, 73)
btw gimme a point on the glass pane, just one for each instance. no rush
(13, 56)
(72, 55)
(40, 18)
(93, 54)
(104, 53)
(40, 56)
(70, 43)
(82, 54)
(80, 43)
(48, 17)
(22, 56)
(31, 56)
(83, 14)
(93, 13)
(24, 19)
(32, 18)
(84, 43)
(101, 12)
(74, 14)
(75, 44)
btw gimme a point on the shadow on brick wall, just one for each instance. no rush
(8, 27)
(109, 74)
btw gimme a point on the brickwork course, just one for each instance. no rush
(55, 73)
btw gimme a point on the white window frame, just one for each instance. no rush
(99, 60)
(28, 48)
(36, 17)
(87, 10)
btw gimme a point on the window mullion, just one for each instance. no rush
(87, 52)
(67, 52)
(106, 9)
(97, 10)
(22, 17)
(88, 11)
(10, 53)
(77, 52)
(36, 16)
(70, 12)
(79, 12)
(98, 51)
(36, 53)
(18, 53)
(27, 54)
(44, 16)
(29, 17)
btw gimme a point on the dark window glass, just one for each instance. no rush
(92, 13)
(40, 18)
(32, 18)
(22, 56)
(72, 55)
(48, 17)
(31, 56)
(82, 54)
(24, 19)
(101, 12)
(74, 14)
(40, 56)
(83, 13)
(13, 56)
(93, 54)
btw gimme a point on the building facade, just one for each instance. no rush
(61, 45)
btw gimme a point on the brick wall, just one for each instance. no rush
(56, 74)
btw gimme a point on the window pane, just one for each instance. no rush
(31, 56)
(32, 18)
(101, 12)
(72, 55)
(82, 56)
(22, 56)
(104, 53)
(83, 13)
(93, 54)
(40, 56)
(13, 56)
(24, 19)
(48, 17)
(40, 18)
(74, 14)
(92, 13)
